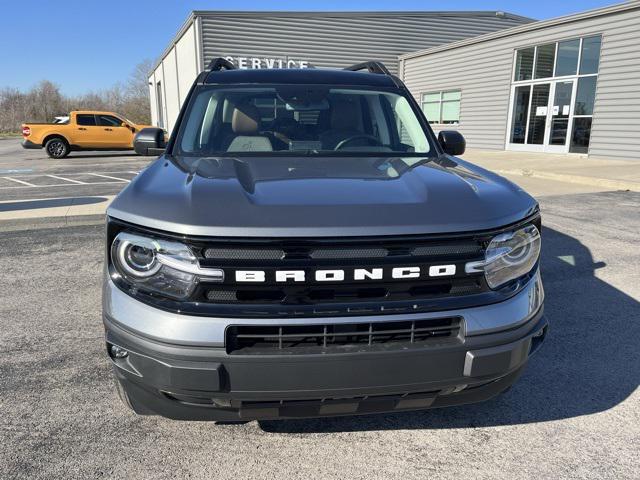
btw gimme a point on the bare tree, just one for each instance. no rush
(12, 108)
(137, 94)
(138, 85)
(45, 101)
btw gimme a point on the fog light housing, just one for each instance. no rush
(118, 352)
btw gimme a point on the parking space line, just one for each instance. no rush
(67, 180)
(108, 176)
(20, 181)
(58, 185)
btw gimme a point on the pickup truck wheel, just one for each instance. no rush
(57, 147)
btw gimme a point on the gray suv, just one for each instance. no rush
(305, 246)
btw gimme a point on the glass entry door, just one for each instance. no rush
(538, 113)
(541, 116)
(559, 117)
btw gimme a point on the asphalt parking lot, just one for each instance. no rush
(574, 414)
(30, 174)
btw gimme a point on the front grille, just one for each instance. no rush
(310, 297)
(343, 253)
(243, 253)
(314, 297)
(340, 338)
(348, 253)
(320, 294)
(448, 249)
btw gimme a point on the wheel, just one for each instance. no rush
(57, 147)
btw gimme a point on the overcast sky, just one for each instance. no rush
(87, 45)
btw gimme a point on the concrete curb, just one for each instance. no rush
(577, 179)
(38, 223)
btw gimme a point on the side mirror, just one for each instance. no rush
(149, 141)
(452, 142)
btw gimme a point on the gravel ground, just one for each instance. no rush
(574, 414)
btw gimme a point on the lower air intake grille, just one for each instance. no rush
(310, 339)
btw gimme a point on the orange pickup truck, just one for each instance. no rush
(85, 130)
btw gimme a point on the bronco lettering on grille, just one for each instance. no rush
(339, 275)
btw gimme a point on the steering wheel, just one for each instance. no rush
(361, 136)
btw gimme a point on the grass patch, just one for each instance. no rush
(9, 134)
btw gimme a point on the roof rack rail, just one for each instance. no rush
(371, 67)
(219, 63)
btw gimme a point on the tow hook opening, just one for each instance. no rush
(537, 339)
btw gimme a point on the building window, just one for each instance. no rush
(567, 62)
(524, 64)
(442, 107)
(545, 59)
(590, 57)
(585, 96)
(558, 59)
(553, 95)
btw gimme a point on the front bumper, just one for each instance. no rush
(179, 379)
(28, 144)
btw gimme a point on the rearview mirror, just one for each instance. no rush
(149, 142)
(452, 142)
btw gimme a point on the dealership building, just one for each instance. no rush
(569, 85)
(303, 39)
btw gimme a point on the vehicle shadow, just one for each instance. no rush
(589, 363)
(49, 203)
(125, 153)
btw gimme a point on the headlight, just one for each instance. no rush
(160, 266)
(509, 256)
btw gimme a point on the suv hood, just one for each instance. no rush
(319, 197)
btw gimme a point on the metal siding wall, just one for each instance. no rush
(171, 88)
(187, 62)
(616, 118)
(483, 72)
(338, 41)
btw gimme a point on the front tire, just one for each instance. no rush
(57, 147)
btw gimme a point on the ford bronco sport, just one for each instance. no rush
(305, 246)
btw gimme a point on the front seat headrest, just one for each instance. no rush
(245, 119)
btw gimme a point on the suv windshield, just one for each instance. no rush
(300, 119)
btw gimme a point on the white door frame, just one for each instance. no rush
(526, 147)
(545, 146)
(547, 138)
